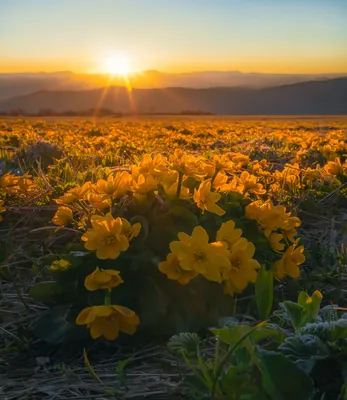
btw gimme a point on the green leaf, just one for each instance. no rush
(282, 379)
(296, 314)
(310, 304)
(232, 334)
(185, 342)
(304, 346)
(264, 292)
(183, 213)
(327, 331)
(46, 291)
(52, 327)
(272, 331)
(90, 368)
(236, 383)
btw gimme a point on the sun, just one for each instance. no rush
(117, 64)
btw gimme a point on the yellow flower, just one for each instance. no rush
(333, 167)
(194, 253)
(227, 233)
(108, 321)
(240, 159)
(130, 231)
(171, 268)
(144, 185)
(248, 184)
(220, 180)
(116, 186)
(220, 164)
(99, 201)
(102, 279)
(275, 241)
(184, 164)
(288, 228)
(271, 217)
(148, 165)
(63, 216)
(206, 200)
(289, 263)
(253, 209)
(106, 237)
(229, 187)
(9, 183)
(25, 184)
(243, 267)
(74, 194)
(289, 234)
(60, 265)
(2, 209)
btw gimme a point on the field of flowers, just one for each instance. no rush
(173, 258)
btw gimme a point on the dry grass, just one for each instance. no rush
(25, 374)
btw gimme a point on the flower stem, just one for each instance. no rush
(107, 298)
(179, 184)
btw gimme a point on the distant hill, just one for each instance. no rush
(315, 97)
(25, 83)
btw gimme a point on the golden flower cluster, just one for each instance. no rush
(229, 259)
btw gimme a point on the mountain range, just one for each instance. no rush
(314, 97)
(25, 83)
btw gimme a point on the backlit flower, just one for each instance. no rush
(248, 184)
(194, 253)
(130, 231)
(150, 165)
(116, 186)
(108, 321)
(102, 279)
(227, 233)
(172, 269)
(275, 241)
(63, 216)
(99, 201)
(243, 267)
(144, 185)
(333, 167)
(60, 265)
(289, 263)
(75, 194)
(2, 208)
(106, 237)
(9, 183)
(206, 200)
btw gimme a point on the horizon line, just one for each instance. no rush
(169, 72)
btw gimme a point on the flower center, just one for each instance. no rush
(200, 256)
(108, 240)
(235, 264)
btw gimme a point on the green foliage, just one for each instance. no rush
(264, 292)
(282, 379)
(296, 314)
(56, 327)
(328, 331)
(271, 362)
(184, 343)
(302, 312)
(47, 291)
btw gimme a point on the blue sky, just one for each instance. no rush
(175, 35)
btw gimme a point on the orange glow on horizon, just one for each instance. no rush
(316, 66)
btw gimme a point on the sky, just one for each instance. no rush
(284, 36)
